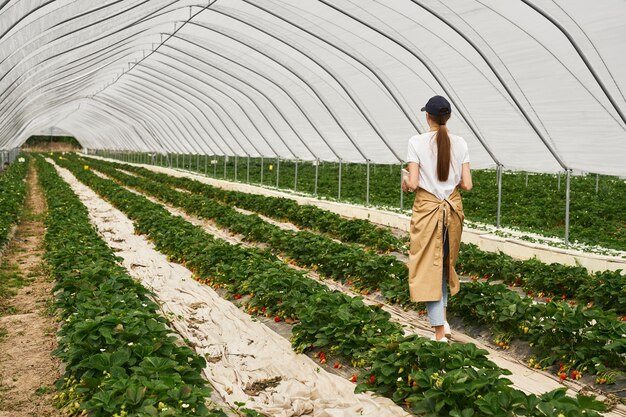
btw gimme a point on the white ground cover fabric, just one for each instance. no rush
(241, 350)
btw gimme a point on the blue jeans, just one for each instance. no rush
(435, 308)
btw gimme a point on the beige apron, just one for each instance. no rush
(430, 216)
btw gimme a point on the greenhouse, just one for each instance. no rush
(208, 208)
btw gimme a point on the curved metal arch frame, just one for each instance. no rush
(156, 121)
(257, 106)
(303, 80)
(132, 110)
(138, 121)
(201, 112)
(263, 76)
(228, 97)
(334, 76)
(173, 115)
(232, 117)
(581, 54)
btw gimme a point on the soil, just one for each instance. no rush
(27, 369)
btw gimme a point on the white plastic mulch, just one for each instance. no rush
(244, 355)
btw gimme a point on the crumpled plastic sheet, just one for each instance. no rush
(240, 351)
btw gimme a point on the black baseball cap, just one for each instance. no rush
(437, 106)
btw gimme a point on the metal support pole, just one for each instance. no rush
(214, 162)
(317, 174)
(177, 159)
(225, 159)
(527, 180)
(235, 167)
(339, 187)
(367, 186)
(499, 173)
(184, 166)
(206, 165)
(198, 163)
(277, 171)
(597, 182)
(261, 170)
(248, 170)
(401, 190)
(567, 201)
(295, 180)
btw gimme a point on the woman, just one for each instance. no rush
(438, 164)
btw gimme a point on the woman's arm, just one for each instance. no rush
(410, 182)
(466, 177)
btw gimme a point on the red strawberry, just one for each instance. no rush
(371, 379)
(353, 379)
(337, 365)
(277, 319)
(237, 296)
(263, 310)
(564, 297)
(563, 377)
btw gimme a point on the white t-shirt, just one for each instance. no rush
(423, 150)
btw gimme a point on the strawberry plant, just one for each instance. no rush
(536, 205)
(283, 209)
(505, 312)
(356, 331)
(120, 357)
(12, 196)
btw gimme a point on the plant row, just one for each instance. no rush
(433, 377)
(349, 263)
(596, 218)
(284, 209)
(12, 196)
(606, 289)
(345, 262)
(120, 356)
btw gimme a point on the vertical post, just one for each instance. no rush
(558, 181)
(277, 171)
(235, 167)
(198, 163)
(225, 158)
(206, 165)
(261, 170)
(295, 181)
(177, 159)
(339, 187)
(597, 182)
(527, 180)
(317, 174)
(401, 190)
(567, 201)
(214, 166)
(248, 170)
(367, 185)
(499, 173)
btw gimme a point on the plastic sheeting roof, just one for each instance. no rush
(535, 84)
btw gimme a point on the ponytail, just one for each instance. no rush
(443, 147)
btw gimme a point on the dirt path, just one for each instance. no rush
(27, 369)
